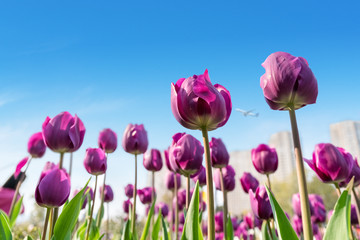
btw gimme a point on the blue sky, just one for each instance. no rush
(112, 63)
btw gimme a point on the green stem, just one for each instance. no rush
(268, 181)
(269, 228)
(92, 210)
(133, 220)
(304, 200)
(43, 236)
(357, 205)
(210, 190)
(70, 165)
(187, 193)
(225, 210)
(172, 211)
(152, 198)
(56, 210)
(108, 220)
(98, 220)
(337, 188)
(51, 230)
(176, 209)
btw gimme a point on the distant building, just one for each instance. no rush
(346, 134)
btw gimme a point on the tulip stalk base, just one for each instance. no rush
(269, 228)
(210, 189)
(56, 210)
(133, 220)
(187, 192)
(304, 199)
(357, 204)
(338, 191)
(92, 210)
(268, 181)
(43, 236)
(176, 209)
(225, 210)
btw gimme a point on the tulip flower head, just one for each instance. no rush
(252, 221)
(355, 172)
(229, 178)
(126, 205)
(296, 203)
(108, 193)
(219, 154)
(353, 215)
(95, 161)
(219, 221)
(107, 140)
(200, 176)
(264, 159)
(36, 145)
(198, 104)
(145, 195)
(260, 203)
(152, 160)
(164, 208)
(129, 190)
(135, 140)
(288, 82)
(248, 182)
(170, 180)
(6, 196)
(63, 133)
(318, 214)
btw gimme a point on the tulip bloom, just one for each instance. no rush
(248, 182)
(288, 80)
(126, 205)
(145, 195)
(297, 206)
(164, 208)
(152, 160)
(355, 172)
(181, 199)
(229, 178)
(219, 222)
(219, 154)
(319, 212)
(260, 203)
(197, 104)
(170, 180)
(107, 140)
(63, 133)
(108, 193)
(36, 145)
(129, 190)
(331, 164)
(6, 197)
(252, 221)
(264, 159)
(135, 140)
(95, 161)
(53, 189)
(353, 215)
(200, 176)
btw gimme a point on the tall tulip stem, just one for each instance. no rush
(357, 204)
(56, 210)
(70, 164)
(187, 192)
(98, 221)
(210, 190)
(268, 181)
(304, 199)
(153, 198)
(92, 210)
(43, 236)
(108, 220)
(225, 209)
(133, 220)
(269, 228)
(176, 209)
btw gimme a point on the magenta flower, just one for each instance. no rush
(355, 172)
(242, 233)
(353, 215)
(297, 225)
(197, 104)
(319, 212)
(252, 221)
(95, 161)
(248, 182)
(264, 159)
(288, 81)
(260, 203)
(135, 139)
(47, 168)
(219, 222)
(229, 178)
(170, 180)
(219, 154)
(53, 189)
(145, 195)
(152, 160)
(126, 205)
(107, 140)
(108, 193)
(19, 166)
(181, 199)
(129, 190)
(6, 196)
(63, 133)
(200, 176)
(36, 145)
(296, 204)
(164, 208)
(331, 164)
(186, 154)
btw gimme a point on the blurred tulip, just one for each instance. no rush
(145, 195)
(19, 166)
(248, 182)
(108, 193)
(229, 178)
(219, 154)
(170, 180)
(135, 140)
(164, 208)
(47, 168)
(126, 205)
(6, 196)
(36, 145)
(252, 221)
(167, 160)
(152, 160)
(260, 203)
(219, 222)
(219, 236)
(181, 199)
(353, 215)
(264, 159)
(355, 172)
(235, 223)
(95, 161)
(90, 193)
(181, 218)
(297, 205)
(129, 190)
(319, 212)
(200, 176)
(297, 225)
(241, 231)
(107, 140)
(63, 133)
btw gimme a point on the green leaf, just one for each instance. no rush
(265, 232)
(147, 224)
(191, 225)
(81, 231)
(126, 231)
(339, 226)
(157, 227)
(16, 211)
(283, 226)
(229, 229)
(68, 217)
(200, 216)
(5, 231)
(165, 232)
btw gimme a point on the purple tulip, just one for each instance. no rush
(297, 205)
(235, 223)
(218, 153)
(252, 221)
(164, 208)
(219, 222)
(95, 161)
(181, 218)
(19, 167)
(63, 133)
(229, 178)
(260, 203)
(186, 154)
(241, 231)
(297, 225)
(107, 140)
(126, 205)
(288, 81)
(319, 211)
(6, 196)
(108, 193)
(197, 104)
(355, 172)
(353, 215)
(36, 145)
(170, 180)
(129, 190)
(181, 198)
(152, 160)
(90, 193)
(47, 168)
(248, 182)
(330, 163)
(264, 159)
(53, 189)
(167, 160)
(145, 195)
(135, 139)
(219, 236)
(200, 176)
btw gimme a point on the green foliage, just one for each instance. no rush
(126, 231)
(5, 231)
(15, 212)
(157, 227)
(147, 225)
(229, 229)
(165, 232)
(266, 233)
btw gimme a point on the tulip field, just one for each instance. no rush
(197, 104)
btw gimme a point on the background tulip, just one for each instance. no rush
(297, 225)
(164, 208)
(317, 209)
(108, 193)
(252, 221)
(129, 190)
(264, 159)
(170, 180)
(107, 140)
(63, 133)
(152, 160)
(6, 196)
(135, 139)
(353, 215)
(219, 222)
(297, 206)
(260, 203)
(355, 172)
(200, 176)
(126, 205)
(95, 161)
(36, 145)
(248, 182)
(145, 195)
(219, 154)
(229, 178)
(288, 80)
(90, 193)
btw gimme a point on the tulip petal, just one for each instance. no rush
(227, 98)
(19, 166)
(77, 133)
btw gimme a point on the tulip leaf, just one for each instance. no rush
(126, 231)
(265, 232)
(229, 229)
(283, 226)
(80, 233)
(191, 225)
(5, 231)
(200, 216)
(157, 227)
(165, 232)
(16, 211)
(68, 217)
(147, 224)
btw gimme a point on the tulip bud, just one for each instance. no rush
(53, 189)
(164, 208)
(181, 218)
(107, 140)
(260, 203)
(264, 159)
(200, 176)
(129, 190)
(63, 133)
(296, 202)
(248, 182)
(6, 196)
(219, 155)
(108, 193)
(229, 178)
(235, 223)
(355, 172)
(181, 199)
(219, 221)
(135, 139)
(95, 161)
(318, 214)
(170, 180)
(186, 154)
(197, 104)
(145, 195)
(152, 160)
(36, 145)
(126, 205)
(252, 221)
(297, 225)
(288, 82)
(353, 215)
